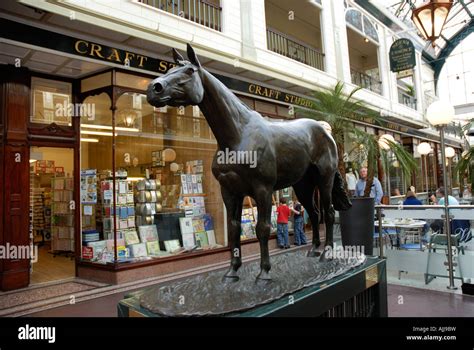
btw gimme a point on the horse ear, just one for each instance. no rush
(192, 56)
(177, 56)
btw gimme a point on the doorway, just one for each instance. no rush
(52, 213)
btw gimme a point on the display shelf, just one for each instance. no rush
(62, 216)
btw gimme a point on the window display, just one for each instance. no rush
(166, 200)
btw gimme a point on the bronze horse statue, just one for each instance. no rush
(297, 153)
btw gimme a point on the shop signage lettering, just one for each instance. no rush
(71, 45)
(273, 94)
(111, 54)
(402, 55)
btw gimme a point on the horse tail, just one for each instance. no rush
(340, 199)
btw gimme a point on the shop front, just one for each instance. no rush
(110, 188)
(106, 186)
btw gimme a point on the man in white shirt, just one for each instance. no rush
(351, 181)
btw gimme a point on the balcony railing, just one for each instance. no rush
(199, 11)
(298, 51)
(366, 81)
(406, 99)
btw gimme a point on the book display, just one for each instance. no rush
(62, 215)
(41, 212)
(147, 215)
(124, 217)
(197, 227)
(249, 219)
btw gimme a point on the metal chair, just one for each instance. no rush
(439, 241)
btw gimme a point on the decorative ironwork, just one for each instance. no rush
(199, 11)
(406, 99)
(281, 44)
(366, 81)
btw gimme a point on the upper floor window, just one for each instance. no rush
(362, 23)
(294, 30)
(363, 42)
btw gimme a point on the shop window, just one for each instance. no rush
(165, 201)
(96, 82)
(132, 81)
(51, 101)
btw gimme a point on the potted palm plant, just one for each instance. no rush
(340, 111)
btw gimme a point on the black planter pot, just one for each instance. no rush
(357, 224)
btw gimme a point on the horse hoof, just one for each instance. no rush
(263, 277)
(230, 276)
(324, 257)
(313, 253)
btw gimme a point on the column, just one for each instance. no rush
(335, 40)
(231, 22)
(418, 81)
(254, 33)
(386, 75)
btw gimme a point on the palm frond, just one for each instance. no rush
(406, 160)
(465, 166)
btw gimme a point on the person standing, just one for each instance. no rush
(376, 191)
(298, 214)
(283, 213)
(351, 181)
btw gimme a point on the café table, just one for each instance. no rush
(403, 225)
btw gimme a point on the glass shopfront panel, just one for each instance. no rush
(51, 101)
(166, 201)
(97, 200)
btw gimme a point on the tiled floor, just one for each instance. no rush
(402, 302)
(51, 268)
(415, 302)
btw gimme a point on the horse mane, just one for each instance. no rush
(242, 107)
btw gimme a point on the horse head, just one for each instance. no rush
(180, 86)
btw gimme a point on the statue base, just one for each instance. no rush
(301, 286)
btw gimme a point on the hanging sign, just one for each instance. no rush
(402, 55)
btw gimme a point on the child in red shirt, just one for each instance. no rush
(283, 213)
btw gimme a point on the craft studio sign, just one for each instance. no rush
(80, 47)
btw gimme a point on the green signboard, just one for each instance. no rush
(402, 55)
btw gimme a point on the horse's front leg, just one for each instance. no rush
(263, 197)
(233, 204)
